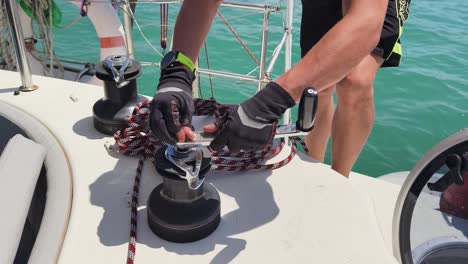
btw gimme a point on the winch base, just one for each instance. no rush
(184, 222)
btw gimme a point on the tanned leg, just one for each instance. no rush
(192, 26)
(354, 114)
(317, 139)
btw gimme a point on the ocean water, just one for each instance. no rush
(417, 105)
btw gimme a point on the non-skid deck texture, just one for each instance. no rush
(301, 213)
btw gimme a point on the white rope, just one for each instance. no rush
(6, 47)
(45, 32)
(67, 26)
(140, 30)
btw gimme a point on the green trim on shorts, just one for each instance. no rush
(402, 15)
(397, 47)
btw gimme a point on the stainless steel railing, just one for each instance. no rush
(24, 69)
(20, 49)
(264, 69)
(265, 9)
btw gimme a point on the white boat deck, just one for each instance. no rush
(301, 213)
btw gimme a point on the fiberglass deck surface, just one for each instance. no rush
(301, 213)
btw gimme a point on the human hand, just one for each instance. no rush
(239, 132)
(251, 126)
(172, 106)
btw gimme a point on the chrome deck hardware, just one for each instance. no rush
(180, 157)
(119, 74)
(184, 208)
(117, 64)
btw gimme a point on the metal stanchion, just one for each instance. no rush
(18, 43)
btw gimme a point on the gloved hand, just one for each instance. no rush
(172, 105)
(251, 126)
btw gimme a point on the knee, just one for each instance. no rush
(356, 91)
(360, 82)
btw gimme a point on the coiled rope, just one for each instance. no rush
(164, 8)
(137, 140)
(41, 12)
(7, 52)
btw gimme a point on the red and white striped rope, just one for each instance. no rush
(137, 140)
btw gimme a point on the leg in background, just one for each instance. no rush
(317, 139)
(354, 114)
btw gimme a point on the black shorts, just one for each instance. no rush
(319, 16)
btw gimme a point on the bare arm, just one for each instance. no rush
(340, 50)
(192, 26)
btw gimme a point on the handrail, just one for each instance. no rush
(261, 67)
(288, 48)
(252, 6)
(226, 74)
(128, 29)
(286, 43)
(20, 49)
(266, 9)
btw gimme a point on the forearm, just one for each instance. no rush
(339, 51)
(192, 26)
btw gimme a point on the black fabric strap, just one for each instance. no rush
(178, 73)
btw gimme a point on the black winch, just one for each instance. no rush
(119, 74)
(183, 208)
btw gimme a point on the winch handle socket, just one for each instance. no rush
(307, 109)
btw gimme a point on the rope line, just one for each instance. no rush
(238, 38)
(84, 8)
(132, 15)
(7, 53)
(164, 8)
(137, 140)
(47, 57)
(208, 66)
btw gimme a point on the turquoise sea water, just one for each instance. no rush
(417, 105)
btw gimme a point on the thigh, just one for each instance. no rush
(389, 47)
(318, 17)
(390, 31)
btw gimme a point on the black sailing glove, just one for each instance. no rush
(251, 126)
(172, 105)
